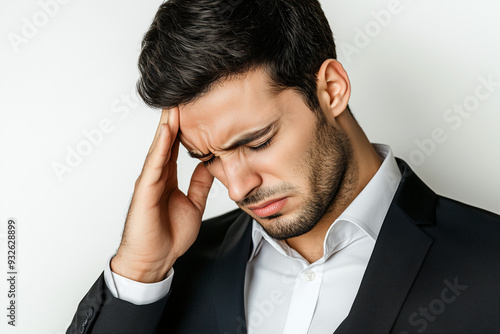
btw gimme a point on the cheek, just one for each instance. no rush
(295, 158)
(283, 161)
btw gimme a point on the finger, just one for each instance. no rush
(173, 123)
(165, 113)
(174, 151)
(157, 158)
(200, 185)
(159, 152)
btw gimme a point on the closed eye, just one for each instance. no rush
(210, 161)
(262, 146)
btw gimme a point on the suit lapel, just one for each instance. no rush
(396, 259)
(229, 276)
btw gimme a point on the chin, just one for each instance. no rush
(282, 227)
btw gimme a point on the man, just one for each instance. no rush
(333, 233)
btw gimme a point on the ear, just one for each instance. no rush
(334, 88)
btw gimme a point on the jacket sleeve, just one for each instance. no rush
(100, 312)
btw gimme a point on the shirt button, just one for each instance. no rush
(309, 275)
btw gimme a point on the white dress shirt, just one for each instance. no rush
(284, 293)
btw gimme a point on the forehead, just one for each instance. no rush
(232, 107)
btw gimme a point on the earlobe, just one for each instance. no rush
(334, 88)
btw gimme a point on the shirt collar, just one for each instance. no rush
(366, 212)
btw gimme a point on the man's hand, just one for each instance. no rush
(162, 222)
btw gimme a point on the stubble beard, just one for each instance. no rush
(330, 169)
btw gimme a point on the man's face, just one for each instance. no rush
(281, 163)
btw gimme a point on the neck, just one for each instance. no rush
(364, 166)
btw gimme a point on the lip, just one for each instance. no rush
(265, 203)
(269, 208)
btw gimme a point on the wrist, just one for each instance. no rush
(140, 271)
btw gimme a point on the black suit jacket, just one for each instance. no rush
(435, 268)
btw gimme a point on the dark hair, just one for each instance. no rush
(193, 44)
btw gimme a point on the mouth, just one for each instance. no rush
(269, 208)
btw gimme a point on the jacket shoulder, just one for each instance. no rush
(465, 214)
(466, 229)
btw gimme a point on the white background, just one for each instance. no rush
(78, 69)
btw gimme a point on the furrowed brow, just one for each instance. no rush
(250, 137)
(240, 141)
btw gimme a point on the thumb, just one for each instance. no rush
(199, 187)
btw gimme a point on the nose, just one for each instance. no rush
(241, 178)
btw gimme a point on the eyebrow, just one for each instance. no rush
(240, 141)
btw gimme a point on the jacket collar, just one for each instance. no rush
(414, 197)
(396, 259)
